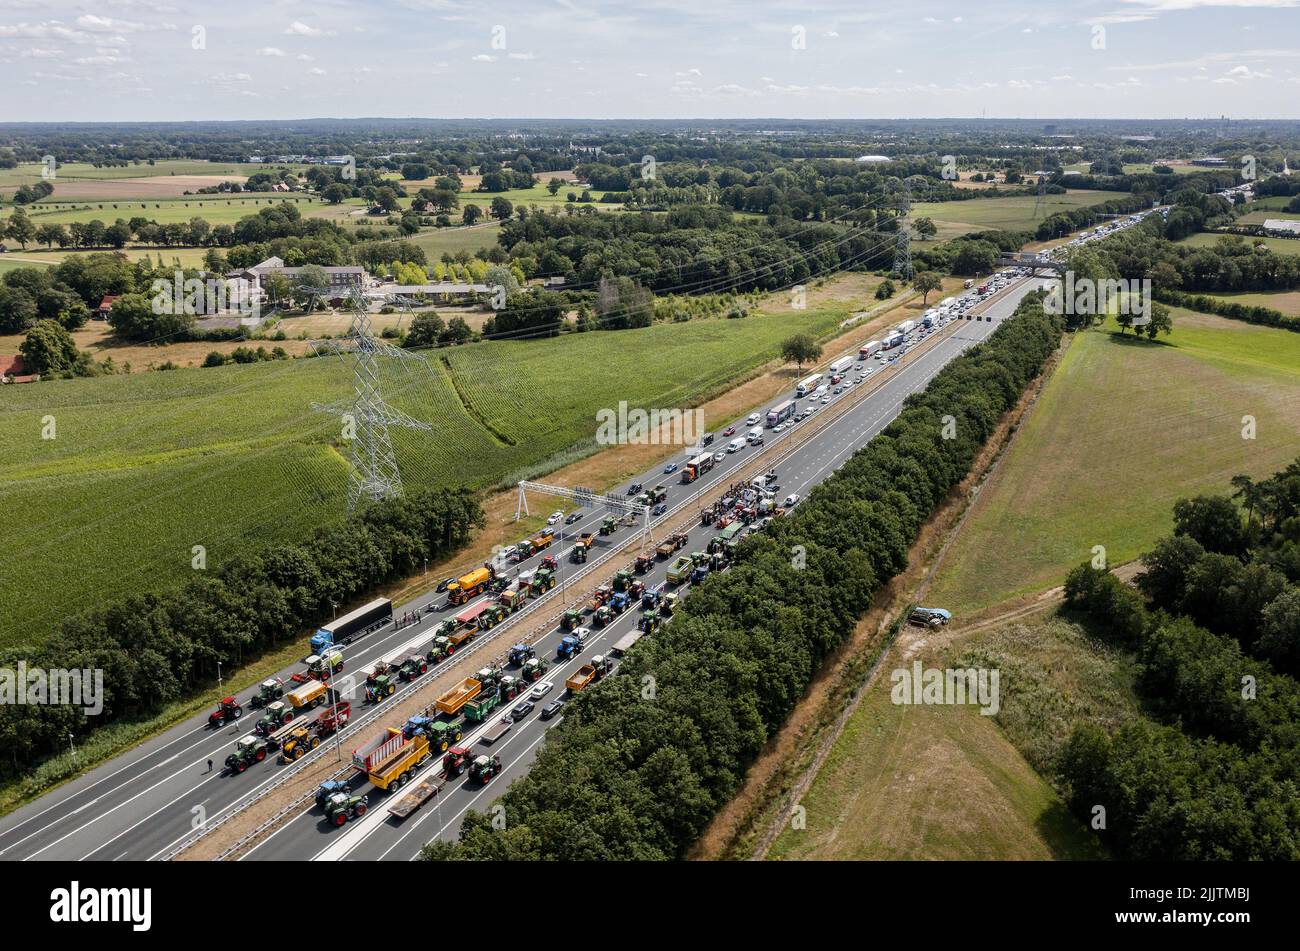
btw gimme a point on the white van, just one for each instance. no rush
(735, 445)
(753, 418)
(754, 434)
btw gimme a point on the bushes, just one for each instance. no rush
(156, 647)
(640, 766)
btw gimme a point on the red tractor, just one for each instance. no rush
(550, 563)
(456, 761)
(228, 711)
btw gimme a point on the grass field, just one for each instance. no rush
(1013, 213)
(213, 209)
(1207, 239)
(145, 467)
(1288, 302)
(10, 263)
(1263, 214)
(1123, 429)
(437, 241)
(945, 782)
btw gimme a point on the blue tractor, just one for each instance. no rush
(329, 788)
(520, 653)
(568, 647)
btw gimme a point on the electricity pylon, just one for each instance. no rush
(903, 243)
(374, 474)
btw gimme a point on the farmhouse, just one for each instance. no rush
(340, 278)
(13, 371)
(105, 305)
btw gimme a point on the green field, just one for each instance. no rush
(1123, 430)
(76, 171)
(916, 782)
(438, 241)
(1207, 239)
(1260, 216)
(1012, 213)
(1288, 302)
(8, 263)
(145, 467)
(213, 209)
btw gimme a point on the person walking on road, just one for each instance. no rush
(209, 766)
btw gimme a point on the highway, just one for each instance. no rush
(379, 836)
(141, 804)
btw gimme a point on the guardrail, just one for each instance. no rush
(779, 449)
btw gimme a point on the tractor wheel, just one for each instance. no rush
(424, 668)
(238, 712)
(340, 818)
(361, 809)
(392, 689)
(442, 747)
(287, 717)
(451, 649)
(299, 752)
(241, 766)
(260, 755)
(315, 742)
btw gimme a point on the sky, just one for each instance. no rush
(129, 60)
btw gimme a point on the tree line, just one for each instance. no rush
(643, 762)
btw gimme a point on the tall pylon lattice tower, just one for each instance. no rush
(374, 474)
(903, 243)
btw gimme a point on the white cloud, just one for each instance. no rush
(520, 55)
(483, 58)
(270, 51)
(315, 71)
(298, 28)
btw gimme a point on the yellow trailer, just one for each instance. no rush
(455, 698)
(398, 767)
(310, 694)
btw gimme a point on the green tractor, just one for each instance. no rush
(249, 750)
(381, 688)
(493, 616)
(269, 690)
(413, 667)
(543, 581)
(484, 768)
(534, 669)
(649, 621)
(572, 618)
(340, 807)
(604, 614)
(277, 715)
(609, 526)
(622, 581)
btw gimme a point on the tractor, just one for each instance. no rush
(618, 604)
(604, 614)
(568, 647)
(533, 670)
(227, 711)
(572, 618)
(492, 616)
(298, 744)
(329, 788)
(550, 564)
(456, 761)
(441, 735)
(249, 750)
(520, 653)
(382, 669)
(278, 713)
(484, 768)
(609, 526)
(644, 563)
(269, 690)
(382, 687)
(414, 666)
(649, 621)
(621, 581)
(341, 807)
(543, 581)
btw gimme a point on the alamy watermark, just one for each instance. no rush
(623, 426)
(205, 297)
(951, 687)
(1085, 296)
(53, 687)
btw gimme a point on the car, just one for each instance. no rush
(752, 419)
(552, 708)
(719, 456)
(707, 439)
(659, 509)
(573, 517)
(791, 500)
(670, 468)
(729, 431)
(522, 710)
(838, 390)
(443, 585)
(826, 399)
(634, 488)
(582, 633)
(554, 518)
(541, 690)
(780, 428)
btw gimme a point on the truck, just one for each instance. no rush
(807, 384)
(417, 796)
(928, 320)
(905, 327)
(868, 349)
(930, 617)
(779, 413)
(588, 674)
(696, 467)
(454, 699)
(672, 543)
(249, 750)
(893, 340)
(311, 694)
(441, 734)
(497, 730)
(840, 366)
(267, 691)
(398, 767)
(680, 570)
(228, 710)
(470, 585)
(481, 707)
(364, 620)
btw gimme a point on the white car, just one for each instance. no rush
(541, 690)
(752, 419)
(825, 400)
(582, 633)
(555, 517)
(791, 500)
(780, 428)
(719, 456)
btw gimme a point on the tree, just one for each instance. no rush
(925, 227)
(926, 282)
(49, 349)
(801, 349)
(50, 235)
(336, 193)
(553, 185)
(17, 309)
(886, 290)
(1211, 520)
(502, 208)
(1161, 321)
(20, 227)
(471, 214)
(424, 332)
